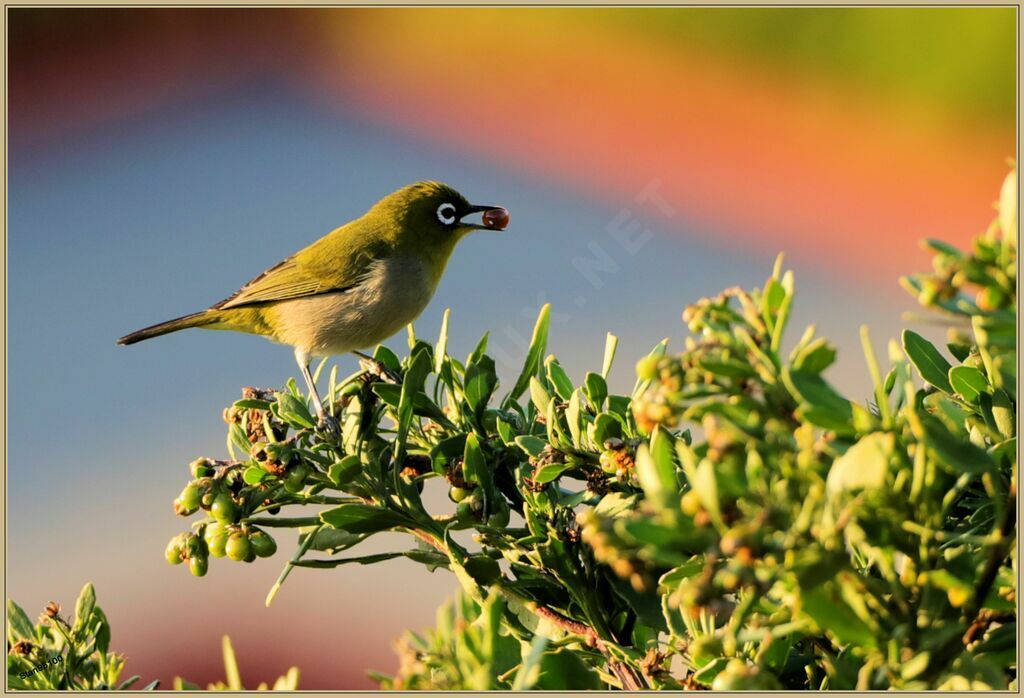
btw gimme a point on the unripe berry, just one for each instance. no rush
(237, 547)
(457, 494)
(198, 565)
(296, 478)
(216, 536)
(608, 462)
(173, 551)
(262, 544)
(191, 496)
(647, 368)
(201, 467)
(501, 515)
(224, 509)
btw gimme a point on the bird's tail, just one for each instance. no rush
(199, 319)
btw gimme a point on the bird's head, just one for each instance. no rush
(432, 212)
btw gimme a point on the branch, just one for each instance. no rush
(973, 613)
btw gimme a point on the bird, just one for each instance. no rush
(354, 287)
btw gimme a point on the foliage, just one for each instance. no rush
(734, 522)
(56, 654)
(59, 654)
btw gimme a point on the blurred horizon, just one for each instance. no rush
(159, 158)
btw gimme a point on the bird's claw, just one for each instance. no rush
(329, 425)
(377, 369)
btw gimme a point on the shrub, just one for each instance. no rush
(57, 654)
(733, 522)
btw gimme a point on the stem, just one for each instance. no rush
(283, 523)
(1000, 547)
(288, 566)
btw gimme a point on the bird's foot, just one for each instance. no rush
(377, 369)
(329, 426)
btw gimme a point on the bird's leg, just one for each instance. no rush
(327, 421)
(377, 368)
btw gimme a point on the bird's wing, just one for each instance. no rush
(330, 265)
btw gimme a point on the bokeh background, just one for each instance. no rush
(160, 158)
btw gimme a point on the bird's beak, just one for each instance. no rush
(494, 218)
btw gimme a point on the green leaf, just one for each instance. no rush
(831, 613)
(822, 406)
(253, 475)
(19, 627)
(330, 540)
(596, 389)
(251, 404)
(538, 344)
(531, 445)
(102, 631)
(710, 670)
(84, 608)
(573, 419)
(611, 342)
(558, 378)
(605, 427)
(479, 383)
(294, 411)
(388, 358)
(815, 357)
(479, 350)
(655, 468)
(1004, 414)
(441, 348)
(475, 469)
(539, 395)
(549, 472)
(932, 366)
(231, 675)
(657, 352)
(344, 471)
(959, 454)
(412, 383)
(865, 464)
(443, 455)
(968, 382)
(362, 518)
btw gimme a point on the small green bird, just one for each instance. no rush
(354, 287)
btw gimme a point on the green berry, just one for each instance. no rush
(173, 551)
(262, 544)
(609, 462)
(224, 509)
(201, 467)
(501, 515)
(191, 497)
(647, 368)
(457, 494)
(237, 547)
(463, 512)
(198, 565)
(194, 545)
(476, 501)
(216, 536)
(296, 478)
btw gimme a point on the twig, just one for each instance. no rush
(627, 675)
(952, 648)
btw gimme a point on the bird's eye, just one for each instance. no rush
(446, 213)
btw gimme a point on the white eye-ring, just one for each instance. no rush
(446, 213)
